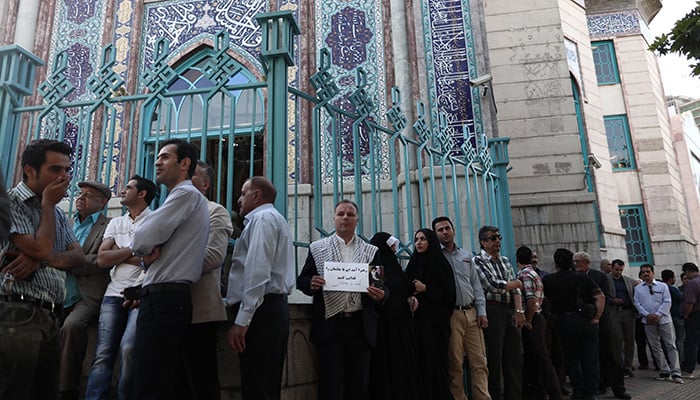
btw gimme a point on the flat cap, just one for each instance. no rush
(100, 187)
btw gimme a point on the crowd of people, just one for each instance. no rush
(451, 314)
(150, 280)
(419, 329)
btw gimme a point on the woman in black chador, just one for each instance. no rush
(395, 373)
(434, 285)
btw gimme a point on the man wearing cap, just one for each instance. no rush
(85, 285)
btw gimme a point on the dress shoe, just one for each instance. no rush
(622, 395)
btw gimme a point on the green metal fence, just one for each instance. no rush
(317, 148)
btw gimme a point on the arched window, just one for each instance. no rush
(226, 124)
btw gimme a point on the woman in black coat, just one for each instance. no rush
(434, 284)
(395, 373)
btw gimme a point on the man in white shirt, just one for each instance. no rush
(117, 322)
(653, 301)
(261, 277)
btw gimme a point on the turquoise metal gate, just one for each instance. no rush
(401, 175)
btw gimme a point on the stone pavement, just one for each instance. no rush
(644, 387)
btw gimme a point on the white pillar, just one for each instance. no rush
(25, 30)
(400, 46)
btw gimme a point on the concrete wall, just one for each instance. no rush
(532, 86)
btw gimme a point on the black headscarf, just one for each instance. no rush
(431, 256)
(433, 269)
(394, 277)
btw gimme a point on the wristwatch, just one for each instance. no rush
(520, 311)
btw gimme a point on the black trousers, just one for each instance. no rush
(262, 361)
(344, 361)
(201, 362)
(164, 317)
(612, 371)
(504, 353)
(538, 370)
(579, 339)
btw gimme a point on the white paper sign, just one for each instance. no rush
(346, 277)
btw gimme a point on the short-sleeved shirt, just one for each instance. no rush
(532, 286)
(46, 283)
(691, 294)
(563, 288)
(121, 230)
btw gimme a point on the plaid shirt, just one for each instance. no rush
(494, 274)
(46, 283)
(532, 286)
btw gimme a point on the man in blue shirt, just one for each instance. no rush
(261, 277)
(85, 285)
(669, 278)
(653, 301)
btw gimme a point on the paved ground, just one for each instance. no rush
(644, 387)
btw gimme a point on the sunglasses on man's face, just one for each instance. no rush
(492, 238)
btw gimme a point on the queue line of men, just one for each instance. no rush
(172, 341)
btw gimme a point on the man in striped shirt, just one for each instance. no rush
(41, 246)
(506, 316)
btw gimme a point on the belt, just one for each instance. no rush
(273, 296)
(165, 287)
(497, 303)
(20, 298)
(464, 308)
(345, 314)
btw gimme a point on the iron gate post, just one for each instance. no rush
(17, 69)
(498, 147)
(277, 52)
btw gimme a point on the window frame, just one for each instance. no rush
(643, 230)
(609, 47)
(628, 141)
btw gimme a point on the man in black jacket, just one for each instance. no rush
(612, 371)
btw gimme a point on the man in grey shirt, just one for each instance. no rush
(171, 243)
(468, 318)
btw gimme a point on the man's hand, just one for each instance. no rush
(375, 294)
(54, 191)
(151, 258)
(22, 267)
(236, 338)
(617, 301)
(483, 322)
(131, 304)
(412, 303)
(653, 319)
(519, 319)
(317, 282)
(514, 284)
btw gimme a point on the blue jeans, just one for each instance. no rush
(30, 352)
(115, 335)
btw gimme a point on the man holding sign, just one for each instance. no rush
(344, 322)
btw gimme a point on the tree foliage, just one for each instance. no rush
(683, 39)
